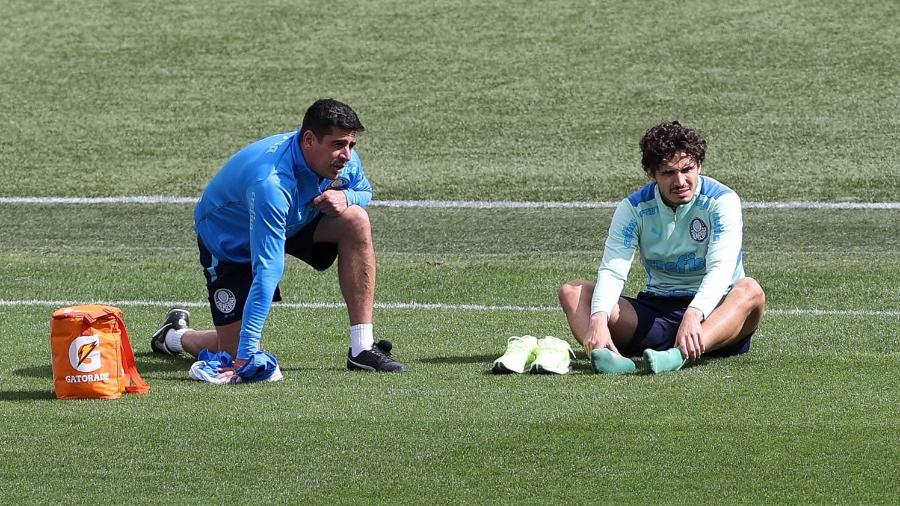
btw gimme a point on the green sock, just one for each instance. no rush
(663, 361)
(606, 361)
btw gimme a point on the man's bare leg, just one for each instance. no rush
(352, 233)
(736, 317)
(224, 338)
(575, 299)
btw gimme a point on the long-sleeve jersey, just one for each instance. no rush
(694, 250)
(261, 196)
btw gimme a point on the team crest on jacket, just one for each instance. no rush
(699, 230)
(338, 184)
(225, 300)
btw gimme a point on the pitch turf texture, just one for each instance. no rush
(463, 100)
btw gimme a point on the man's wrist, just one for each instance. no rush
(695, 313)
(347, 197)
(600, 314)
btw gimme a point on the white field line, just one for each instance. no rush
(416, 306)
(445, 204)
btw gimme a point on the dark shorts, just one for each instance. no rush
(658, 321)
(228, 284)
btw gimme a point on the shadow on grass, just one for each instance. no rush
(38, 371)
(460, 359)
(27, 395)
(580, 366)
(146, 362)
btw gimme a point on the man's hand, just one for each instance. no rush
(331, 202)
(689, 338)
(598, 335)
(230, 373)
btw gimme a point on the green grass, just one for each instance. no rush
(801, 419)
(534, 102)
(804, 258)
(462, 100)
(807, 414)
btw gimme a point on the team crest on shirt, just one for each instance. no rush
(699, 231)
(225, 300)
(338, 183)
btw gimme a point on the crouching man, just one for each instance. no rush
(302, 194)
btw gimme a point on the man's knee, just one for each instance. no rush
(570, 293)
(357, 217)
(752, 292)
(354, 223)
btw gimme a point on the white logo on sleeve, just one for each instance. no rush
(84, 353)
(225, 300)
(699, 230)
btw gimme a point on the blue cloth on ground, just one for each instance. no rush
(260, 366)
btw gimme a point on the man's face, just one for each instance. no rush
(677, 178)
(326, 157)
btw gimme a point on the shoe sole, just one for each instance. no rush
(500, 368)
(355, 366)
(537, 369)
(158, 345)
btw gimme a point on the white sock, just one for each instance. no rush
(361, 338)
(173, 340)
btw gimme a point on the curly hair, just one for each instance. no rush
(664, 140)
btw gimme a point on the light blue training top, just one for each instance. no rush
(694, 250)
(261, 196)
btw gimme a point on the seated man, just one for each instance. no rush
(300, 193)
(697, 300)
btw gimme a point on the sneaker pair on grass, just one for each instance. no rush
(606, 361)
(549, 355)
(378, 358)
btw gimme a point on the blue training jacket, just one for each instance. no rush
(260, 197)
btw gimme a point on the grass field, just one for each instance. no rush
(462, 100)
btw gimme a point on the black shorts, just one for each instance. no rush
(228, 284)
(658, 320)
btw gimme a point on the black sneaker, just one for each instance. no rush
(177, 318)
(376, 359)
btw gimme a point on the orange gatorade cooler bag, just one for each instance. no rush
(91, 354)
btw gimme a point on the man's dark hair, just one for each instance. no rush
(328, 113)
(664, 140)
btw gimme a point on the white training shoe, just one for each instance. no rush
(552, 356)
(518, 357)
